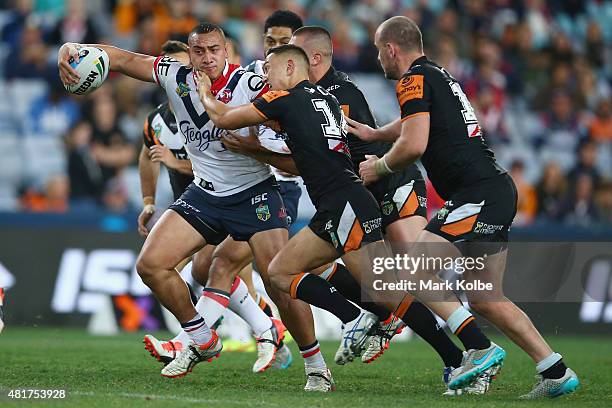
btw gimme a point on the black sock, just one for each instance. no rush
(423, 323)
(471, 336)
(318, 292)
(342, 280)
(556, 371)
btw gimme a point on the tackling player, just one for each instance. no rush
(438, 125)
(230, 194)
(347, 217)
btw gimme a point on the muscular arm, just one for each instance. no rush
(250, 146)
(411, 143)
(149, 172)
(138, 66)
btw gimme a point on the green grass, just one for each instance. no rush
(117, 372)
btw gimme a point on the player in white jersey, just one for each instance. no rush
(162, 142)
(231, 194)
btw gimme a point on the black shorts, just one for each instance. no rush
(348, 219)
(404, 201)
(482, 213)
(241, 215)
(290, 192)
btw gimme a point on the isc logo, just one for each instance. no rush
(259, 198)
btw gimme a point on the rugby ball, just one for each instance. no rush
(92, 67)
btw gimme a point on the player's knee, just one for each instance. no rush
(145, 266)
(275, 273)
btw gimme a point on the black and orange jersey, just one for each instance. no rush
(312, 123)
(457, 156)
(160, 128)
(355, 106)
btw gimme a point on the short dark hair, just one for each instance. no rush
(314, 31)
(174, 47)
(403, 32)
(290, 48)
(283, 18)
(206, 28)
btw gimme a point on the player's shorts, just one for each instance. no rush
(241, 215)
(480, 214)
(348, 219)
(290, 192)
(403, 202)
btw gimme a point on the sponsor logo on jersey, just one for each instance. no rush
(263, 212)
(182, 89)
(422, 201)
(410, 87)
(334, 239)
(487, 229)
(272, 95)
(157, 129)
(372, 225)
(201, 138)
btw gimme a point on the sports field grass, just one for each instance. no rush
(117, 372)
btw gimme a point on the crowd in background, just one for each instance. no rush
(538, 73)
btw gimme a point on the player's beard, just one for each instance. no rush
(392, 70)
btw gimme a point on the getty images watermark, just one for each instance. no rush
(402, 264)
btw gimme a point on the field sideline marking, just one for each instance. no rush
(164, 397)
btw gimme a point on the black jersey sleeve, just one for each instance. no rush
(413, 94)
(272, 104)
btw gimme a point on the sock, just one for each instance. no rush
(261, 302)
(197, 330)
(552, 367)
(268, 311)
(423, 323)
(463, 325)
(212, 304)
(244, 306)
(312, 356)
(340, 278)
(318, 292)
(182, 338)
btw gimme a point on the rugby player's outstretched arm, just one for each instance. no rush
(387, 133)
(138, 66)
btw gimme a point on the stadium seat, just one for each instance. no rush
(12, 159)
(44, 157)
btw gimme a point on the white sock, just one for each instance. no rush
(197, 330)
(548, 362)
(212, 304)
(182, 337)
(313, 357)
(244, 306)
(457, 318)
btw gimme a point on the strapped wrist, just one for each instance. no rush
(148, 200)
(382, 168)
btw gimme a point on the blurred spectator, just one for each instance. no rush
(109, 148)
(595, 48)
(600, 128)
(29, 58)
(76, 26)
(603, 199)
(54, 198)
(115, 197)
(84, 172)
(587, 157)
(579, 208)
(177, 23)
(561, 124)
(129, 13)
(527, 198)
(550, 192)
(53, 114)
(16, 19)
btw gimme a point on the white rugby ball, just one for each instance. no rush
(92, 67)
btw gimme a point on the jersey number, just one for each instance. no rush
(469, 116)
(332, 130)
